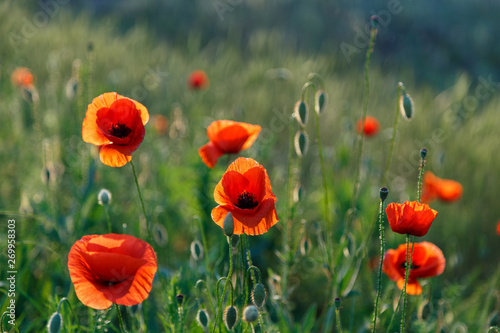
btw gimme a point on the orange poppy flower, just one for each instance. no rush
(427, 261)
(444, 189)
(112, 268)
(227, 137)
(115, 124)
(198, 80)
(160, 124)
(370, 127)
(245, 191)
(410, 217)
(22, 77)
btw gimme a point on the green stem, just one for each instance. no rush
(337, 315)
(382, 250)
(323, 175)
(393, 138)
(420, 177)
(107, 218)
(407, 274)
(180, 312)
(150, 239)
(218, 319)
(120, 320)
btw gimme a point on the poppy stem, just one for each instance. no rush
(120, 320)
(150, 239)
(423, 153)
(218, 318)
(393, 137)
(382, 250)
(407, 273)
(108, 220)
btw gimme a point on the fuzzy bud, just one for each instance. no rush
(228, 225)
(259, 295)
(180, 299)
(423, 153)
(406, 106)
(319, 101)
(202, 318)
(384, 192)
(301, 143)
(55, 323)
(104, 197)
(230, 317)
(250, 314)
(301, 112)
(196, 250)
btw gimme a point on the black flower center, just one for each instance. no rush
(403, 265)
(120, 130)
(246, 201)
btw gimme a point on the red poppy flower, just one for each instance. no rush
(227, 137)
(410, 217)
(427, 261)
(115, 124)
(22, 77)
(160, 124)
(444, 189)
(198, 80)
(107, 269)
(498, 228)
(370, 127)
(245, 191)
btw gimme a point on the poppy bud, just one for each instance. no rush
(305, 246)
(374, 21)
(202, 318)
(179, 298)
(104, 197)
(423, 153)
(228, 225)
(338, 300)
(230, 317)
(301, 112)
(196, 250)
(250, 314)
(259, 295)
(406, 106)
(320, 101)
(297, 193)
(301, 143)
(384, 192)
(235, 239)
(55, 323)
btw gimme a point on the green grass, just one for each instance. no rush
(178, 187)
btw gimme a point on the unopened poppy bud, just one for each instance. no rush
(235, 239)
(320, 101)
(305, 246)
(228, 225)
(301, 112)
(338, 301)
(104, 197)
(259, 295)
(179, 298)
(384, 192)
(55, 323)
(406, 106)
(301, 143)
(250, 314)
(297, 193)
(230, 317)
(196, 250)
(374, 21)
(202, 318)
(423, 153)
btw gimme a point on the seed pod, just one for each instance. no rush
(259, 295)
(250, 314)
(384, 192)
(230, 317)
(301, 112)
(55, 323)
(319, 101)
(228, 225)
(202, 318)
(301, 143)
(406, 106)
(104, 197)
(196, 250)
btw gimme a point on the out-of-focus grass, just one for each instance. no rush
(259, 85)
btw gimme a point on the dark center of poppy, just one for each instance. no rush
(119, 130)
(403, 265)
(246, 201)
(112, 283)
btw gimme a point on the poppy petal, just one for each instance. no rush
(234, 185)
(258, 184)
(209, 154)
(111, 155)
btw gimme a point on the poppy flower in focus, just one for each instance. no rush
(198, 80)
(22, 77)
(227, 137)
(112, 268)
(245, 192)
(427, 261)
(115, 124)
(436, 188)
(370, 127)
(410, 217)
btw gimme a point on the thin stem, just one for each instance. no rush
(107, 217)
(420, 176)
(218, 319)
(180, 312)
(393, 138)
(120, 320)
(150, 239)
(407, 273)
(337, 315)
(323, 175)
(382, 250)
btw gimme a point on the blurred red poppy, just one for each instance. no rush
(427, 261)
(160, 124)
(498, 228)
(115, 124)
(370, 127)
(410, 217)
(22, 77)
(436, 188)
(198, 80)
(245, 191)
(227, 137)
(112, 268)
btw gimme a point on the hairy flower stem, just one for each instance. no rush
(337, 315)
(382, 250)
(218, 318)
(120, 320)
(393, 137)
(407, 274)
(108, 220)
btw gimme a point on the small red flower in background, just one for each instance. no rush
(198, 80)
(410, 217)
(498, 228)
(227, 137)
(112, 268)
(22, 77)
(160, 124)
(427, 261)
(115, 124)
(437, 188)
(370, 127)
(245, 191)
